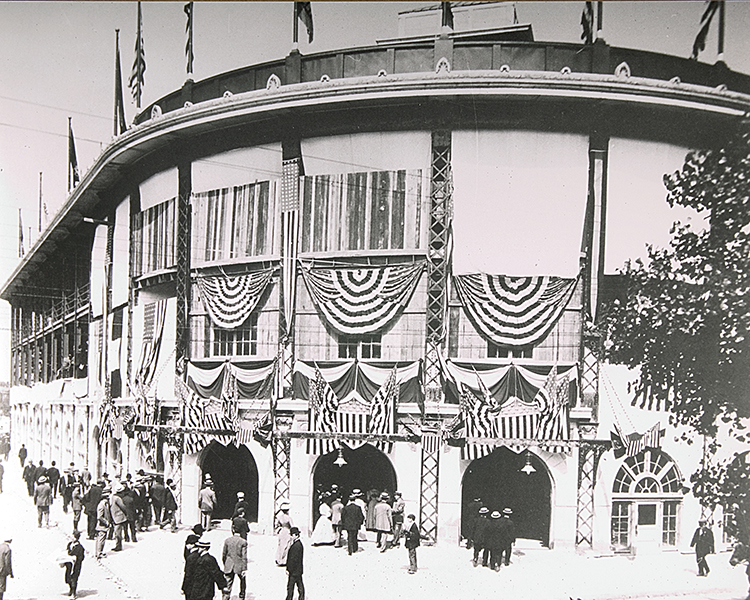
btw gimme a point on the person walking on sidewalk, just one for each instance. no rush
(6, 565)
(481, 533)
(411, 532)
(103, 521)
(119, 516)
(397, 514)
(73, 567)
(352, 518)
(156, 493)
(294, 567)
(43, 500)
(205, 575)
(206, 503)
(28, 477)
(383, 523)
(76, 503)
(703, 541)
(53, 475)
(22, 454)
(170, 509)
(90, 504)
(508, 537)
(283, 531)
(234, 557)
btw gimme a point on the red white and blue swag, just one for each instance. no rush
(361, 301)
(514, 311)
(512, 405)
(230, 300)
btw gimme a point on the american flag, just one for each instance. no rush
(291, 171)
(478, 424)
(553, 422)
(324, 406)
(139, 63)
(382, 411)
(637, 442)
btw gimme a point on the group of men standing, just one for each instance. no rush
(491, 534)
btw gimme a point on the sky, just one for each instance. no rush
(57, 61)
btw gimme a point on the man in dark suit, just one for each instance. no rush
(412, 535)
(28, 477)
(205, 575)
(351, 520)
(703, 540)
(234, 557)
(90, 503)
(294, 566)
(157, 494)
(53, 475)
(507, 538)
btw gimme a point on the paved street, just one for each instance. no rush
(152, 568)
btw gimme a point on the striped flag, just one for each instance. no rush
(189, 31)
(139, 63)
(353, 417)
(303, 12)
(700, 39)
(478, 424)
(553, 421)
(431, 441)
(74, 175)
(383, 410)
(587, 23)
(21, 250)
(291, 171)
(322, 414)
(634, 443)
(120, 125)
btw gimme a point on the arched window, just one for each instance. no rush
(650, 471)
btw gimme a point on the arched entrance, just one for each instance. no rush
(366, 468)
(232, 470)
(498, 480)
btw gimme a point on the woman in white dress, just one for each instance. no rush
(323, 532)
(283, 531)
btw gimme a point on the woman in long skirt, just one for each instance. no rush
(323, 532)
(283, 531)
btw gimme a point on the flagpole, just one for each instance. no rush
(295, 28)
(600, 20)
(720, 57)
(70, 129)
(40, 201)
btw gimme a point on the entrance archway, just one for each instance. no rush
(366, 468)
(232, 470)
(498, 480)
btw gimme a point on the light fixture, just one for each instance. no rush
(340, 462)
(528, 468)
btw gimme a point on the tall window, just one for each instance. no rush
(621, 525)
(364, 346)
(669, 525)
(154, 238)
(242, 341)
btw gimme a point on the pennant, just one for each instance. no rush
(636, 443)
(304, 14)
(189, 31)
(700, 39)
(21, 250)
(139, 63)
(447, 15)
(617, 444)
(587, 23)
(120, 126)
(73, 174)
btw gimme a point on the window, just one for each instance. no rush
(495, 351)
(154, 238)
(647, 485)
(365, 346)
(621, 524)
(242, 341)
(647, 514)
(669, 523)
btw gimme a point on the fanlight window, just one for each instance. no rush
(650, 471)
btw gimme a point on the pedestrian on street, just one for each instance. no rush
(472, 514)
(481, 536)
(22, 454)
(283, 528)
(90, 504)
(2, 470)
(495, 540)
(6, 565)
(508, 537)
(703, 541)
(43, 500)
(73, 568)
(234, 557)
(294, 567)
(157, 493)
(352, 518)
(337, 507)
(28, 477)
(191, 557)
(53, 475)
(206, 574)
(397, 514)
(192, 538)
(67, 482)
(412, 542)
(119, 516)
(103, 522)
(241, 503)
(240, 524)
(128, 499)
(76, 503)
(40, 471)
(170, 509)
(206, 503)
(383, 521)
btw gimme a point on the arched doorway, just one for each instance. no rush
(232, 470)
(366, 468)
(498, 480)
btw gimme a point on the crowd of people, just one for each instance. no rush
(491, 534)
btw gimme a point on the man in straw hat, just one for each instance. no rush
(207, 502)
(508, 537)
(383, 521)
(43, 499)
(103, 521)
(206, 575)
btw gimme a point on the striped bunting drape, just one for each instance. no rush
(322, 414)
(513, 311)
(199, 416)
(383, 410)
(230, 300)
(553, 422)
(359, 301)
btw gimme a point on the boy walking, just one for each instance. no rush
(411, 532)
(294, 566)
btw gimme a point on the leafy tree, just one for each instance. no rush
(685, 321)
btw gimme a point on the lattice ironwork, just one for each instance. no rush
(281, 448)
(428, 492)
(182, 278)
(590, 374)
(441, 190)
(589, 454)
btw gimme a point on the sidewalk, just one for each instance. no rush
(153, 568)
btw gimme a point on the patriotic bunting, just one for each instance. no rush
(383, 410)
(361, 301)
(322, 415)
(291, 171)
(353, 417)
(478, 424)
(154, 315)
(634, 443)
(230, 300)
(514, 311)
(199, 416)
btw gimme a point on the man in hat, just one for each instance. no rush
(495, 539)
(43, 499)
(170, 508)
(240, 524)
(157, 493)
(234, 557)
(337, 507)
(294, 567)
(206, 574)
(67, 482)
(508, 537)
(22, 454)
(103, 521)
(411, 532)
(73, 567)
(383, 521)
(40, 471)
(703, 541)
(352, 518)
(206, 503)
(191, 557)
(53, 476)
(241, 503)
(472, 514)
(119, 515)
(397, 513)
(6, 565)
(76, 503)
(481, 530)
(192, 538)
(28, 477)
(90, 504)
